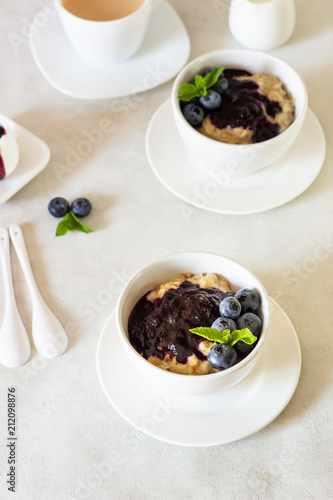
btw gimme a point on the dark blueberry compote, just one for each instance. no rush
(240, 108)
(2, 166)
(162, 327)
(243, 106)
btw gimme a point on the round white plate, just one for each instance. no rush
(282, 181)
(34, 156)
(213, 419)
(165, 50)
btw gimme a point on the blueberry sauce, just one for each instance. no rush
(243, 106)
(2, 168)
(162, 327)
(2, 165)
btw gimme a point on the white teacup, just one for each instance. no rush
(9, 150)
(107, 42)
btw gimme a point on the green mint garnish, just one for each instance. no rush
(202, 83)
(187, 91)
(71, 223)
(225, 337)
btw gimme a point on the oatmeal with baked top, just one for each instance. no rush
(160, 322)
(242, 108)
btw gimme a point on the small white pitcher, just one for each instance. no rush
(262, 24)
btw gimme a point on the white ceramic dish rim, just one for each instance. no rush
(42, 48)
(216, 53)
(263, 182)
(176, 376)
(21, 176)
(221, 417)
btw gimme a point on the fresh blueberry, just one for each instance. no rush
(81, 207)
(221, 86)
(250, 321)
(194, 100)
(58, 207)
(222, 324)
(222, 356)
(208, 70)
(193, 114)
(243, 349)
(211, 101)
(248, 299)
(230, 308)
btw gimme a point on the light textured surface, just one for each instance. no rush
(71, 443)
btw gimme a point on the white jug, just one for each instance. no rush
(262, 24)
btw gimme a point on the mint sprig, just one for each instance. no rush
(71, 223)
(225, 337)
(188, 91)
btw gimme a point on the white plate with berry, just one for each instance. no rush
(275, 185)
(165, 50)
(212, 419)
(33, 158)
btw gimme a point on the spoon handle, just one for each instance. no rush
(6, 267)
(49, 336)
(15, 346)
(19, 245)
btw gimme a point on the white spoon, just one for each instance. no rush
(15, 346)
(49, 336)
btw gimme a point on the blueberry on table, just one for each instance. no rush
(249, 299)
(221, 86)
(211, 101)
(58, 207)
(193, 114)
(81, 207)
(222, 324)
(230, 308)
(222, 356)
(250, 321)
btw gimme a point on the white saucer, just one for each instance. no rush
(214, 419)
(282, 181)
(34, 156)
(165, 50)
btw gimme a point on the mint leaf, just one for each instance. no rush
(213, 76)
(200, 84)
(79, 226)
(62, 228)
(70, 223)
(245, 335)
(225, 337)
(65, 225)
(187, 91)
(212, 334)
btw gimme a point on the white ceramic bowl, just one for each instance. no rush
(9, 149)
(168, 268)
(210, 155)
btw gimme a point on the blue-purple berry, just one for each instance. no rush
(230, 308)
(58, 207)
(222, 356)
